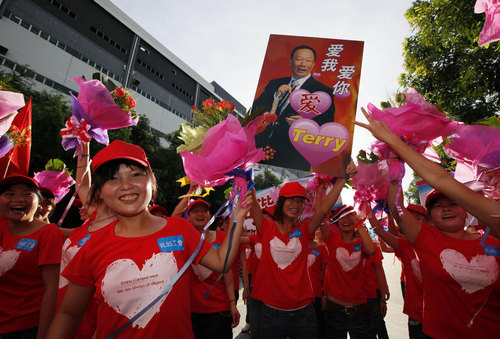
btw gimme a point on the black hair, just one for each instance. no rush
(50, 198)
(33, 188)
(278, 212)
(303, 47)
(107, 171)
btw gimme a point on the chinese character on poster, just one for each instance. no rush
(311, 84)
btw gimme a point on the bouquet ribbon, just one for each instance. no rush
(241, 178)
(77, 129)
(382, 205)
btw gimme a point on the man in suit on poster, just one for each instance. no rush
(275, 136)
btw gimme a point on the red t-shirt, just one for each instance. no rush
(345, 277)
(460, 282)
(316, 257)
(413, 302)
(254, 255)
(21, 283)
(129, 273)
(72, 245)
(370, 285)
(282, 280)
(204, 278)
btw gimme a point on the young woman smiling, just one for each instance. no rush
(133, 260)
(30, 252)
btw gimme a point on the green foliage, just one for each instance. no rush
(444, 63)
(266, 180)
(367, 158)
(57, 165)
(411, 193)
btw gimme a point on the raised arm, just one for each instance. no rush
(182, 205)
(322, 208)
(83, 180)
(387, 237)
(256, 212)
(214, 259)
(486, 210)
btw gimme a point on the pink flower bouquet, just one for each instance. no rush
(226, 146)
(10, 102)
(491, 28)
(94, 112)
(58, 182)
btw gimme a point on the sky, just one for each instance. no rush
(225, 40)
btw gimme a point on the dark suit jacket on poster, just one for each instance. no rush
(276, 135)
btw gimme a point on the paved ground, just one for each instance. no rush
(396, 321)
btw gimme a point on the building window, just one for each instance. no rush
(108, 39)
(63, 8)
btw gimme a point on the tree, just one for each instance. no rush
(266, 180)
(444, 63)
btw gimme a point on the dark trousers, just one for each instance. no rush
(378, 329)
(254, 307)
(29, 333)
(320, 316)
(278, 324)
(212, 325)
(415, 329)
(341, 320)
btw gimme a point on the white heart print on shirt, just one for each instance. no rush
(480, 272)
(348, 262)
(67, 255)
(283, 255)
(415, 265)
(201, 271)
(258, 250)
(311, 259)
(8, 260)
(128, 289)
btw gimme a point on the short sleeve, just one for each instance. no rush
(50, 245)
(192, 240)
(78, 270)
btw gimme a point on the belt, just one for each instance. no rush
(361, 308)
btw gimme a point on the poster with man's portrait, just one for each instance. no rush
(311, 84)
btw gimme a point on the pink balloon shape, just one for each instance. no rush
(318, 144)
(309, 105)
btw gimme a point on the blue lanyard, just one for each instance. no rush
(182, 270)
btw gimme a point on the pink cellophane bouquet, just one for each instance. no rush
(417, 118)
(94, 112)
(371, 183)
(225, 147)
(479, 147)
(10, 102)
(491, 28)
(55, 178)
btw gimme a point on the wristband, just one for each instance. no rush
(85, 155)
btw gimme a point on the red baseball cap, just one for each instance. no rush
(341, 211)
(18, 179)
(158, 208)
(431, 197)
(198, 201)
(47, 191)
(417, 209)
(120, 150)
(270, 210)
(293, 189)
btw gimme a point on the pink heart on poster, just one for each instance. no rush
(310, 105)
(318, 143)
(344, 95)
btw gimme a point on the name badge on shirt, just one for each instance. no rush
(216, 246)
(491, 250)
(295, 234)
(316, 253)
(357, 247)
(173, 243)
(84, 240)
(26, 244)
